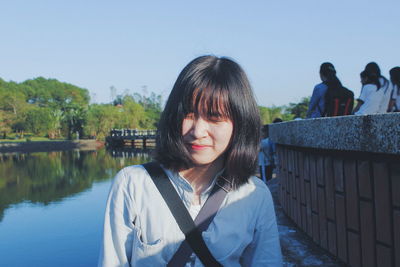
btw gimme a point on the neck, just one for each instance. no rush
(200, 176)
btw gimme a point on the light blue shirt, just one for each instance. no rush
(317, 101)
(139, 229)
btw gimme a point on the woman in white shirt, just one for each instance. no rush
(210, 125)
(394, 105)
(384, 90)
(369, 101)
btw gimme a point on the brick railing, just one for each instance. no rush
(345, 196)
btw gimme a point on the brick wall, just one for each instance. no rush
(347, 202)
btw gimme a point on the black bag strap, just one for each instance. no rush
(192, 233)
(203, 220)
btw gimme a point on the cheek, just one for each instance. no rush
(229, 131)
(225, 134)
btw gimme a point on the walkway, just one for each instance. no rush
(297, 248)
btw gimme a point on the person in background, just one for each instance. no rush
(317, 107)
(384, 91)
(273, 145)
(394, 104)
(266, 155)
(261, 157)
(268, 152)
(368, 102)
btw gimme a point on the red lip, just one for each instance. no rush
(197, 147)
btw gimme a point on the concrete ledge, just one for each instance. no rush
(378, 133)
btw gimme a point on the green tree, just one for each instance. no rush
(74, 119)
(39, 121)
(299, 110)
(5, 125)
(53, 93)
(101, 118)
(268, 114)
(131, 113)
(12, 98)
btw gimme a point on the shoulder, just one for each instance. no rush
(369, 87)
(259, 185)
(348, 92)
(321, 87)
(130, 176)
(130, 172)
(255, 190)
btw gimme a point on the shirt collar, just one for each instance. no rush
(182, 183)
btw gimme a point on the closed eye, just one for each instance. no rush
(190, 116)
(216, 118)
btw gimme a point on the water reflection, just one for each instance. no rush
(48, 177)
(131, 153)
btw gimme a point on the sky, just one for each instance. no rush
(141, 46)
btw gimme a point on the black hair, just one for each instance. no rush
(373, 69)
(276, 120)
(328, 71)
(332, 81)
(395, 78)
(211, 85)
(371, 78)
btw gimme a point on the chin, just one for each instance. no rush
(205, 162)
(201, 163)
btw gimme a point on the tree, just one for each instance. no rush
(299, 110)
(101, 118)
(12, 99)
(39, 121)
(74, 118)
(131, 114)
(56, 123)
(5, 125)
(53, 93)
(268, 114)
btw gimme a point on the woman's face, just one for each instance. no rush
(364, 80)
(206, 138)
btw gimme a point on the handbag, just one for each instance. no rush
(191, 229)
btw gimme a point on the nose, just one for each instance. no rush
(199, 128)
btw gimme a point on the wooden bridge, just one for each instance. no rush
(131, 137)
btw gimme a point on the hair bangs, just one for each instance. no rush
(210, 102)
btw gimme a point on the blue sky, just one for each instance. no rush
(131, 44)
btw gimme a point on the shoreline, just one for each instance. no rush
(47, 146)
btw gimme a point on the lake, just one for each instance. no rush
(52, 205)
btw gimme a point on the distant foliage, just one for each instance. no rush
(286, 112)
(128, 111)
(43, 107)
(48, 107)
(299, 110)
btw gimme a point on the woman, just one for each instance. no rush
(210, 126)
(369, 101)
(330, 83)
(383, 91)
(373, 68)
(394, 104)
(265, 156)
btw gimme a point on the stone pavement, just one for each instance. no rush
(297, 248)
